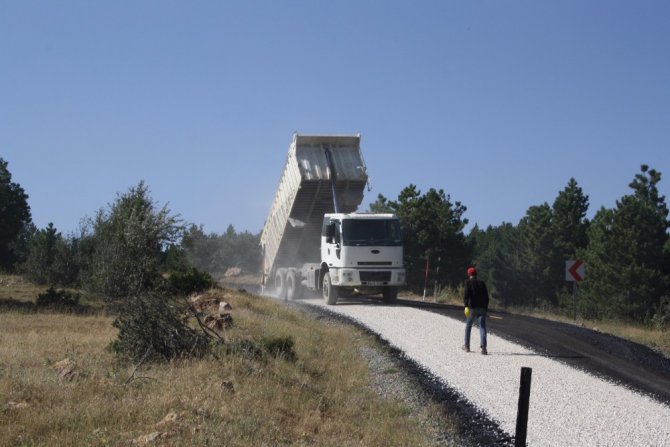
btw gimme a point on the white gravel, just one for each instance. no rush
(568, 407)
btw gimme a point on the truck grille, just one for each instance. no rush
(375, 263)
(375, 276)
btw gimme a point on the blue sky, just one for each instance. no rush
(499, 103)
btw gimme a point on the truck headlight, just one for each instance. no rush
(401, 276)
(347, 276)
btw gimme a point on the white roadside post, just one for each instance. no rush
(425, 280)
(575, 271)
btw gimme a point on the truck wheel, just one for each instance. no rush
(390, 294)
(329, 290)
(294, 289)
(280, 284)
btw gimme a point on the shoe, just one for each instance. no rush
(465, 348)
(484, 351)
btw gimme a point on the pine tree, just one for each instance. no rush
(15, 217)
(432, 227)
(497, 257)
(52, 258)
(126, 244)
(569, 228)
(628, 266)
(569, 224)
(603, 276)
(537, 248)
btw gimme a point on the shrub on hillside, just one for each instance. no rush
(280, 347)
(125, 245)
(661, 319)
(52, 259)
(57, 298)
(191, 281)
(450, 295)
(152, 329)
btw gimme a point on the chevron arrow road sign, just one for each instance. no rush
(575, 270)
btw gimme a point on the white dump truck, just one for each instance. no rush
(313, 238)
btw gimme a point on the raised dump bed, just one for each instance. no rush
(323, 174)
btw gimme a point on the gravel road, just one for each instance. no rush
(568, 407)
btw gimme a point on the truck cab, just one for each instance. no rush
(363, 252)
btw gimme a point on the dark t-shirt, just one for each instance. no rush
(476, 293)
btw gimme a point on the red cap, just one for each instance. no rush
(472, 271)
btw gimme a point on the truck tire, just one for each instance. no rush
(280, 284)
(330, 292)
(294, 289)
(390, 294)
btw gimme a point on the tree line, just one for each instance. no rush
(626, 250)
(126, 246)
(131, 244)
(136, 255)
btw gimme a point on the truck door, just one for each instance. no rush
(332, 243)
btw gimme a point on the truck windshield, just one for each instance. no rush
(371, 232)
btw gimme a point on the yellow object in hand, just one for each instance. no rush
(467, 312)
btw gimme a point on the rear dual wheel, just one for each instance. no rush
(280, 284)
(294, 289)
(287, 284)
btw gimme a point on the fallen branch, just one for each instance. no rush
(144, 357)
(210, 332)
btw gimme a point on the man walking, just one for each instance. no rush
(476, 299)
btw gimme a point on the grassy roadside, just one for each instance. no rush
(656, 339)
(316, 393)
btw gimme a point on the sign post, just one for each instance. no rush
(524, 404)
(574, 301)
(575, 271)
(425, 281)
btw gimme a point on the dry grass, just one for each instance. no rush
(19, 294)
(654, 338)
(14, 287)
(322, 397)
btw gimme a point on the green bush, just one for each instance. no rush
(448, 295)
(280, 347)
(191, 281)
(245, 348)
(661, 319)
(57, 298)
(151, 328)
(123, 246)
(52, 259)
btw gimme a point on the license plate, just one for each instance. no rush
(374, 283)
